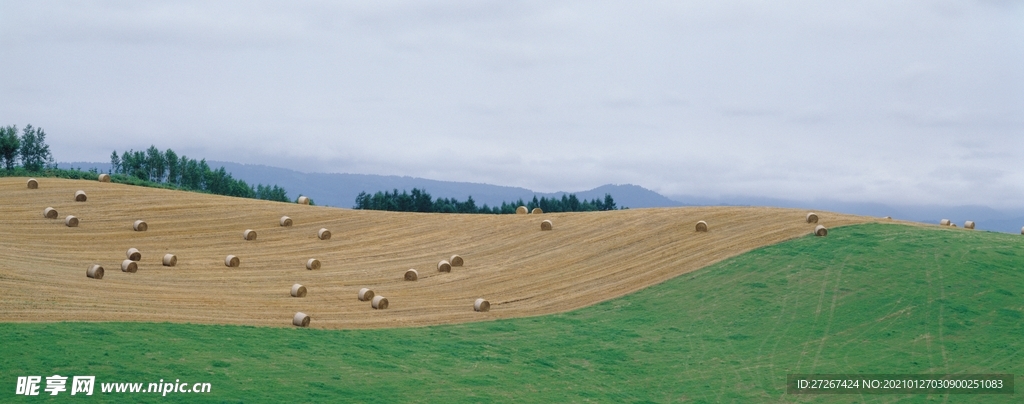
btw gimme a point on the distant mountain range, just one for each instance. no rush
(340, 190)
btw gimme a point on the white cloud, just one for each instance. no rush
(910, 102)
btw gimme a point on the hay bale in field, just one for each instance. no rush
(952, 224)
(324, 234)
(969, 224)
(133, 254)
(888, 217)
(71, 221)
(820, 231)
(412, 275)
(80, 196)
(812, 217)
(249, 234)
(303, 200)
(286, 221)
(444, 266)
(104, 178)
(298, 290)
(32, 183)
(50, 213)
(140, 225)
(944, 222)
(95, 272)
(702, 226)
(537, 211)
(170, 260)
(379, 302)
(365, 294)
(300, 320)
(545, 225)
(1022, 230)
(521, 210)
(231, 261)
(129, 266)
(481, 305)
(312, 264)
(456, 260)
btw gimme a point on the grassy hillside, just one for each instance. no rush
(869, 298)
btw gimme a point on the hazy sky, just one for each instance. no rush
(895, 102)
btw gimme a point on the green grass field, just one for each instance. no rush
(866, 299)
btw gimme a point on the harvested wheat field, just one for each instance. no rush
(590, 257)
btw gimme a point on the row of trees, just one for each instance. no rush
(187, 173)
(30, 149)
(420, 201)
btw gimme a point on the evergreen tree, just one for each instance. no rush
(156, 164)
(609, 203)
(173, 171)
(9, 146)
(115, 162)
(420, 201)
(183, 172)
(35, 153)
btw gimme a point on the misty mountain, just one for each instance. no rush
(340, 190)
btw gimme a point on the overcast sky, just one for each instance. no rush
(915, 102)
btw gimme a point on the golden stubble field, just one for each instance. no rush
(523, 271)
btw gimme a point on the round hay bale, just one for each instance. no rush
(80, 196)
(953, 224)
(412, 275)
(944, 222)
(481, 305)
(231, 261)
(702, 226)
(456, 260)
(249, 235)
(812, 218)
(365, 294)
(50, 213)
(133, 254)
(32, 183)
(379, 302)
(324, 234)
(545, 225)
(104, 178)
(300, 320)
(969, 224)
(129, 266)
(286, 221)
(537, 211)
(303, 200)
(444, 266)
(820, 231)
(170, 260)
(95, 272)
(521, 210)
(889, 217)
(71, 221)
(298, 290)
(140, 225)
(312, 264)
(1022, 230)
